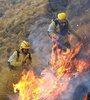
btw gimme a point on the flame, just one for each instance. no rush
(27, 82)
(85, 98)
(55, 79)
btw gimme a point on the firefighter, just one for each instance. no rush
(21, 59)
(59, 30)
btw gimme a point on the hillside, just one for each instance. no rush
(29, 20)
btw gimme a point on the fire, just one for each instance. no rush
(27, 86)
(55, 79)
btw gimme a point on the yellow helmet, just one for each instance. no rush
(24, 45)
(62, 16)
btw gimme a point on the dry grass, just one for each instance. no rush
(13, 27)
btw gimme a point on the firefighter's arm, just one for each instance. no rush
(29, 58)
(15, 64)
(51, 29)
(13, 60)
(72, 31)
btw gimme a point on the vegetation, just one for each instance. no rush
(16, 17)
(16, 20)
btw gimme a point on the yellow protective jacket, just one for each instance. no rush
(16, 60)
(56, 29)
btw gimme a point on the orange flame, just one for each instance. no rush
(55, 80)
(26, 86)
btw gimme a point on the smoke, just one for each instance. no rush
(78, 87)
(55, 88)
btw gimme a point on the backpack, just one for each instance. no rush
(63, 28)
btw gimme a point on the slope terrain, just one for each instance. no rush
(28, 20)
